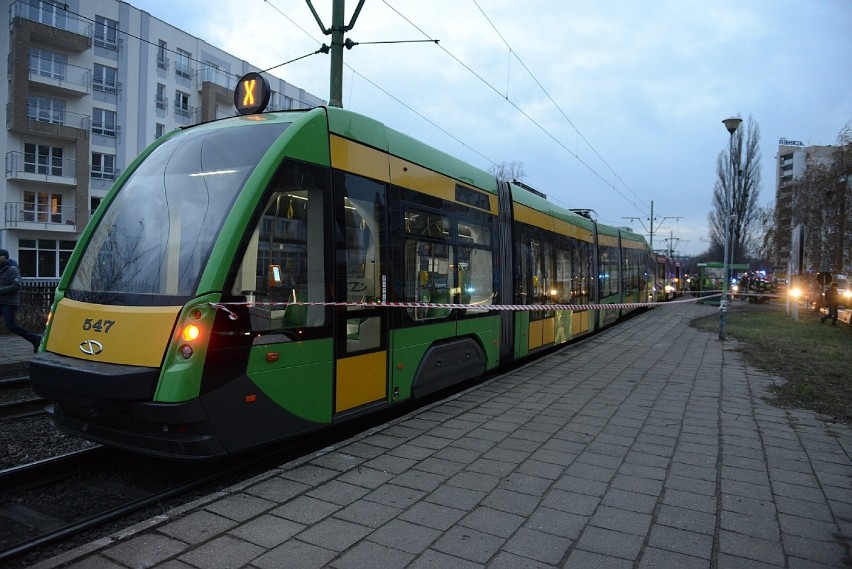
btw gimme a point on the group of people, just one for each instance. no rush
(10, 289)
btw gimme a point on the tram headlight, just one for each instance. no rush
(795, 293)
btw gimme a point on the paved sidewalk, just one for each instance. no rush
(649, 445)
(15, 355)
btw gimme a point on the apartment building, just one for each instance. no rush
(792, 161)
(91, 83)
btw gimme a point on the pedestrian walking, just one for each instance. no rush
(10, 289)
(832, 302)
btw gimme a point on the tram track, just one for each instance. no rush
(55, 499)
(56, 504)
(18, 400)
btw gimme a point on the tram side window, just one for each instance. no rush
(475, 274)
(609, 271)
(632, 275)
(428, 260)
(563, 286)
(542, 287)
(284, 264)
(582, 283)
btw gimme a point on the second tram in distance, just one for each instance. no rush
(195, 317)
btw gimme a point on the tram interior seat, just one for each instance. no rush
(441, 296)
(363, 333)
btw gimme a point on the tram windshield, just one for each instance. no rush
(153, 242)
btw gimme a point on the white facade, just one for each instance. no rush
(91, 83)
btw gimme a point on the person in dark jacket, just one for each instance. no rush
(10, 288)
(832, 302)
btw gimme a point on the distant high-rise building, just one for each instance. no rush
(91, 83)
(793, 160)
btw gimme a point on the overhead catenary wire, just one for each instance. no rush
(514, 53)
(489, 85)
(526, 115)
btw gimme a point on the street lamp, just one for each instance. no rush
(731, 124)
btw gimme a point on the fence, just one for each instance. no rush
(36, 298)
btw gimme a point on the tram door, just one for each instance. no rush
(361, 331)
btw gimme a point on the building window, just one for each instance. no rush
(43, 258)
(45, 109)
(106, 33)
(182, 108)
(160, 130)
(42, 207)
(103, 122)
(161, 96)
(49, 13)
(47, 63)
(42, 159)
(94, 202)
(183, 66)
(104, 79)
(162, 59)
(103, 166)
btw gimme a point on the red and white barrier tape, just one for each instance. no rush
(490, 307)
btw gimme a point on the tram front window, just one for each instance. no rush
(153, 241)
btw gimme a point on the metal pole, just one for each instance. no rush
(335, 89)
(731, 124)
(651, 233)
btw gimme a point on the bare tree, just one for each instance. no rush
(764, 250)
(821, 202)
(508, 171)
(737, 184)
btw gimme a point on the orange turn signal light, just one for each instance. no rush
(190, 332)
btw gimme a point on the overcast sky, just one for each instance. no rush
(610, 105)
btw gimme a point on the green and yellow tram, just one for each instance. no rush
(256, 277)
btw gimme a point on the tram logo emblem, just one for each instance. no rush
(91, 347)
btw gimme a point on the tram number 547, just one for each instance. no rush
(98, 325)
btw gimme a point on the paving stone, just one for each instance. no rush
(405, 536)
(145, 550)
(369, 554)
(267, 531)
(225, 551)
(295, 554)
(611, 543)
(306, 510)
(366, 513)
(334, 534)
(469, 544)
(539, 546)
(653, 558)
(682, 541)
(197, 526)
(432, 515)
(494, 522)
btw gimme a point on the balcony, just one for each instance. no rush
(47, 120)
(66, 80)
(60, 172)
(51, 24)
(23, 215)
(217, 77)
(184, 113)
(183, 70)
